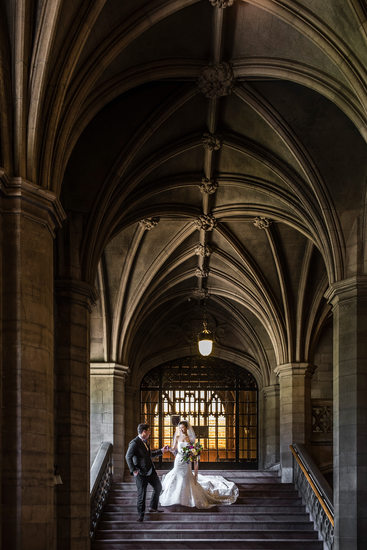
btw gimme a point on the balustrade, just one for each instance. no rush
(315, 492)
(100, 483)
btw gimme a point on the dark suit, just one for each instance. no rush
(138, 457)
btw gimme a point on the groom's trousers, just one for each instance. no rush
(142, 484)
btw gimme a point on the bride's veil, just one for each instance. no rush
(190, 432)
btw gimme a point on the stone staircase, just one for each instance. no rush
(267, 515)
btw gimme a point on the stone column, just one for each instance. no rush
(107, 403)
(349, 302)
(295, 411)
(73, 306)
(132, 412)
(270, 425)
(29, 217)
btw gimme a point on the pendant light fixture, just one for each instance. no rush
(205, 339)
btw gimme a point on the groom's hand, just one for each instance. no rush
(165, 448)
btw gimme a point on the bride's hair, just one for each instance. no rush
(190, 430)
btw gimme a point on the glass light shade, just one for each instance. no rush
(205, 346)
(205, 342)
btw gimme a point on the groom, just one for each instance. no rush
(139, 459)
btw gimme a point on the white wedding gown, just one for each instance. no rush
(179, 486)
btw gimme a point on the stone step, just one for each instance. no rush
(169, 525)
(254, 477)
(268, 487)
(233, 509)
(291, 495)
(250, 474)
(247, 500)
(209, 544)
(237, 480)
(243, 493)
(268, 515)
(197, 534)
(243, 486)
(205, 516)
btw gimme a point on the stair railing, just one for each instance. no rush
(100, 483)
(315, 492)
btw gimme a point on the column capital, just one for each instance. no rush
(109, 369)
(295, 369)
(271, 391)
(346, 289)
(78, 292)
(31, 201)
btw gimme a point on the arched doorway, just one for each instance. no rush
(219, 399)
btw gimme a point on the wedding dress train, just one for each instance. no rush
(180, 486)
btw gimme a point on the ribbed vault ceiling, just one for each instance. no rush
(213, 149)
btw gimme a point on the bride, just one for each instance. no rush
(181, 486)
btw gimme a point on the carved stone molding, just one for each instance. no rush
(201, 273)
(109, 369)
(216, 80)
(262, 223)
(207, 222)
(148, 223)
(208, 186)
(33, 202)
(76, 292)
(295, 369)
(203, 250)
(201, 293)
(212, 142)
(322, 418)
(347, 290)
(221, 3)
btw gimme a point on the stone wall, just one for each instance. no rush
(107, 406)
(322, 380)
(101, 412)
(322, 404)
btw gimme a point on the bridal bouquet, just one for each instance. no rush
(191, 453)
